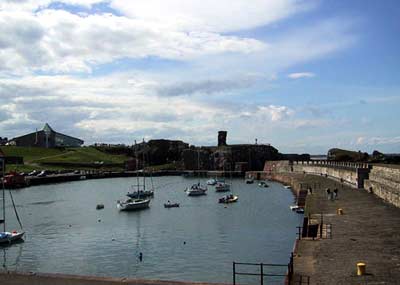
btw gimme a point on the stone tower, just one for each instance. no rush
(222, 138)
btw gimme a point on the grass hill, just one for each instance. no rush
(68, 158)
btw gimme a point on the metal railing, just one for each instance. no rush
(324, 232)
(262, 273)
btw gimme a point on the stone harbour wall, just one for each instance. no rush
(352, 174)
(384, 181)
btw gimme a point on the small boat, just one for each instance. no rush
(133, 204)
(222, 187)
(99, 206)
(249, 180)
(263, 184)
(5, 236)
(10, 237)
(228, 199)
(211, 181)
(287, 186)
(300, 210)
(171, 205)
(140, 193)
(294, 207)
(196, 190)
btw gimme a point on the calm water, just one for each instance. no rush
(197, 242)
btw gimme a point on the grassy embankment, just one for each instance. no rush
(58, 159)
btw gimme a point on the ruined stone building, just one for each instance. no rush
(238, 157)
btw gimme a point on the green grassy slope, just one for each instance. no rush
(54, 159)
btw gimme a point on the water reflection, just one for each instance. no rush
(197, 241)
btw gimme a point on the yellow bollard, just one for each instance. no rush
(361, 268)
(340, 211)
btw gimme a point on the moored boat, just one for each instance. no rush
(5, 236)
(211, 181)
(196, 190)
(133, 204)
(222, 187)
(263, 184)
(99, 206)
(228, 199)
(10, 237)
(171, 205)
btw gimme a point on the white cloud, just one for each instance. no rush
(276, 113)
(34, 5)
(55, 40)
(298, 75)
(377, 141)
(208, 15)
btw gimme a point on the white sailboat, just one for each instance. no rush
(136, 203)
(5, 236)
(228, 198)
(197, 189)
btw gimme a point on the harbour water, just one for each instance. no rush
(196, 242)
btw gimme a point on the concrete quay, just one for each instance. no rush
(368, 231)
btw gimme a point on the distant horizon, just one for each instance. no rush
(209, 145)
(301, 75)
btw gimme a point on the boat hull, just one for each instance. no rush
(226, 200)
(11, 237)
(222, 187)
(196, 190)
(133, 206)
(174, 205)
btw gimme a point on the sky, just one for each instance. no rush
(302, 75)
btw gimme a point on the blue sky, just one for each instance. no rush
(304, 76)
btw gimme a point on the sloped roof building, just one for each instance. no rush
(48, 138)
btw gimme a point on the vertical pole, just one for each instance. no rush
(291, 268)
(321, 226)
(4, 196)
(234, 274)
(262, 273)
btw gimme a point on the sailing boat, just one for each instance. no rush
(14, 236)
(197, 189)
(228, 198)
(222, 186)
(136, 203)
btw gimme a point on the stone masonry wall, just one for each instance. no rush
(384, 181)
(348, 175)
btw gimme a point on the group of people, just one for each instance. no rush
(332, 195)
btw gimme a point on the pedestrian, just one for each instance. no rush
(328, 193)
(310, 190)
(335, 191)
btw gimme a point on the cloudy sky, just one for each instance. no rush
(304, 76)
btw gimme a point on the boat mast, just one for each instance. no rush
(4, 196)
(144, 174)
(198, 165)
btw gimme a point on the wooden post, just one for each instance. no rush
(234, 274)
(262, 274)
(321, 226)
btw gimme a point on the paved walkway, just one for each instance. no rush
(368, 231)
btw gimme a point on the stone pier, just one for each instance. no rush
(368, 231)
